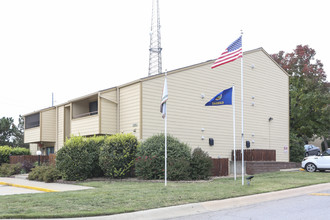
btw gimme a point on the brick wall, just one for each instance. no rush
(253, 167)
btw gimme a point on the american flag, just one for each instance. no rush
(233, 52)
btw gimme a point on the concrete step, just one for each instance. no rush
(22, 176)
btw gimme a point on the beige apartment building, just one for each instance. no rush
(135, 108)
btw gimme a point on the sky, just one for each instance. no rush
(72, 48)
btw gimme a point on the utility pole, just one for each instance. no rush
(155, 49)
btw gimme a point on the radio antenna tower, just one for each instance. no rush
(155, 49)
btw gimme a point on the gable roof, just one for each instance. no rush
(208, 62)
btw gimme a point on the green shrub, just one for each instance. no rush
(200, 164)
(37, 173)
(117, 155)
(45, 173)
(51, 174)
(150, 158)
(78, 159)
(178, 169)
(6, 151)
(10, 169)
(297, 150)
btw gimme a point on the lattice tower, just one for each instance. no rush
(155, 49)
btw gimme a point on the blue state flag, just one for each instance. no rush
(223, 98)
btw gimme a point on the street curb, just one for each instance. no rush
(28, 187)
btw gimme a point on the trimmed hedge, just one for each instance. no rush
(201, 164)
(6, 151)
(10, 169)
(45, 173)
(78, 159)
(81, 158)
(150, 164)
(117, 155)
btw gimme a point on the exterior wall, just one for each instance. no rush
(48, 125)
(85, 126)
(60, 128)
(266, 85)
(67, 122)
(32, 135)
(33, 149)
(130, 109)
(108, 112)
(187, 115)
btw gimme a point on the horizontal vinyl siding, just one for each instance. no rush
(33, 148)
(32, 135)
(60, 127)
(269, 86)
(187, 114)
(48, 125)
(108, 113)
(130, 109)
(85, 126)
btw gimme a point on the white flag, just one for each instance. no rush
(164, 99)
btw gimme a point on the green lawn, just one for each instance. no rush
(113, 197)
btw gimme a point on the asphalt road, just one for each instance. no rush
(308, 206)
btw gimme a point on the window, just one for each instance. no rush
(49, 150)
(93, 108)
(32, 121)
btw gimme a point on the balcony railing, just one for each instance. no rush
(85, 114)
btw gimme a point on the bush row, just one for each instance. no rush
(45, 173)
(81, 157)
(181, 163)
(6, 151)
(10, 169)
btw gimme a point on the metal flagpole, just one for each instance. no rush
(234, 130)
(242, 112)
(166, 137)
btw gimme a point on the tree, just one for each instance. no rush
(18, 140)
(10, 134)
(7, 128)
(309, 95)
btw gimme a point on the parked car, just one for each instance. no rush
(311, 150)
(313, 163)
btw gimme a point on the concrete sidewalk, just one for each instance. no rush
(22, 182)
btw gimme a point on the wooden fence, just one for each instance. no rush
(50, 159)
(220, 167)
(255, 155)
